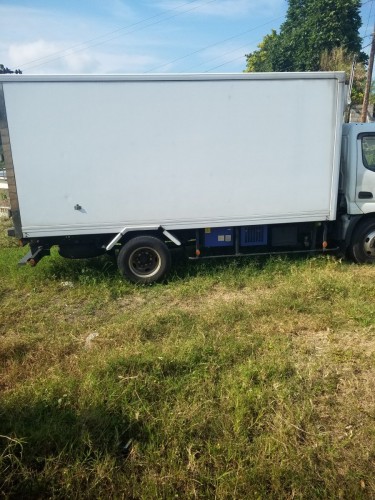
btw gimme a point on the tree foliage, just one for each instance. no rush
(261, 60)
(4, 70)
(311, 28)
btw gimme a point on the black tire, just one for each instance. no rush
(144, 259)
(363, 243)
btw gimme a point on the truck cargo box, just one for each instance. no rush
(95, 154)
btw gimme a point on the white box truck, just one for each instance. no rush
(229, 164)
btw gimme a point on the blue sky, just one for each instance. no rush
(143, 36)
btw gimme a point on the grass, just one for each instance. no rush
(236, 379)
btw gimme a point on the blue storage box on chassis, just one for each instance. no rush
(218, 237)
(224, 236)
(253, 236)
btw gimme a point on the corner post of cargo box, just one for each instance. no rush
(9, 167)
(341, 102)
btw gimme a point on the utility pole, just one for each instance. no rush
(369, 78)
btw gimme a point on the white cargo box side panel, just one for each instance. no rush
(182, 154)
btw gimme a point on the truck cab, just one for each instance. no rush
(357, 187)
(358, 167)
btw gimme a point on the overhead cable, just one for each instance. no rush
(212, 45)
(88, 44)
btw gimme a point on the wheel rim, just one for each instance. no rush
(369, 244)
(144, 262)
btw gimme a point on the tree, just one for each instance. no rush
(261, 60)
(4, 70)
(311, 27)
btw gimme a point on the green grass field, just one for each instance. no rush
(236, 379)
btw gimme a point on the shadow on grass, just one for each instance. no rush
(104, 268)
(40, 440)
(254, 265)
(16, 352)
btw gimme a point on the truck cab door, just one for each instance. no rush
(365, 185)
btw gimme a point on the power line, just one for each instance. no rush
(107, 34)
(368, 45)
(200, 5)
(212, 45)
(225, 63)
(219, 57)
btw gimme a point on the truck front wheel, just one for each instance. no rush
(363, 243)
(144, 259)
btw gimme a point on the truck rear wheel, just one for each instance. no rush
(363, 243)
(144, 259)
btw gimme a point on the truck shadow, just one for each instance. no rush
(105, 267)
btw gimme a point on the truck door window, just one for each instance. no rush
(368, 151)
